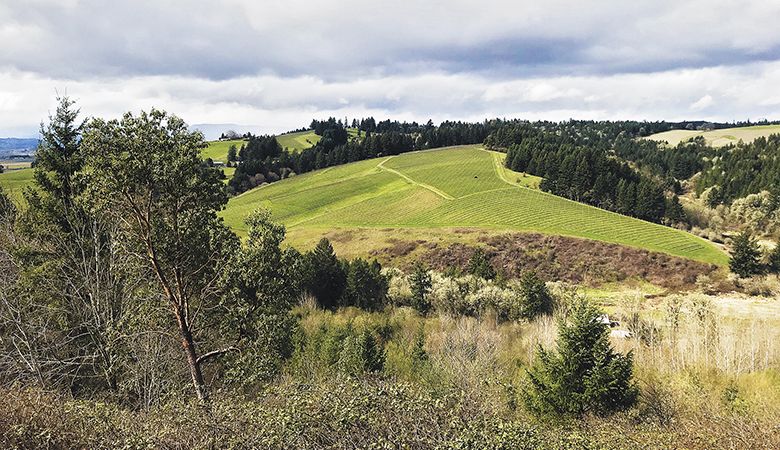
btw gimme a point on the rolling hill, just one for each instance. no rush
(717, 138)
(457, 187)
(298, 141)
(218, 150)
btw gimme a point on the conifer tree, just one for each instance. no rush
(325, 277)
(420, 280)
(774, 260)
(745, 255)
(535, 297)
(584, 374)
(479, 265)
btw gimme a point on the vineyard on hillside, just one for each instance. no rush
(452, 187)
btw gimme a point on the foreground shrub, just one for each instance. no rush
(584, 374)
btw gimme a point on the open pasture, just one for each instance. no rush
(717, 138)
(298, 141)
(15, 181)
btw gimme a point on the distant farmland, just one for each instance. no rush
(453, 187)
(717, 138)
(298, 141)
(15, 181)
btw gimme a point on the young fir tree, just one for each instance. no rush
(774, 260)
(420, 281)
(325, 277)
(479, 265)
(584, 374)
(232, 154)
(362, 352)
(366, 287)
(536, 299)
(745, 255)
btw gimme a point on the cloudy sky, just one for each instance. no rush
(271, 66)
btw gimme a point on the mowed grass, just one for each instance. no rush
(717, 138)
(446, 188)
(298, 141)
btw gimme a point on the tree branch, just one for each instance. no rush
(215, 353)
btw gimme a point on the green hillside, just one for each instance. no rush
(218, 150)
(298, 141)
(445, 188)
(717, 138)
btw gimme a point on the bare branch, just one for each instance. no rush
(215, 353)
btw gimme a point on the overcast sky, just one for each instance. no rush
(274, 65)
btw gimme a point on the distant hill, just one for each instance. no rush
(17, 147)
(446, 189)
(298, 141)
(719, 137)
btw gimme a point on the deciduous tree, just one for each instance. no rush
(145, 172)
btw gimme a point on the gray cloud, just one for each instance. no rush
(275, 64)
(90, 38)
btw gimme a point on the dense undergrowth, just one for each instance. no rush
(394, 379)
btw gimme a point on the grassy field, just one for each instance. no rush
(454, 187)
(15, 164)
(296, 142)
(717, 138)
(14, 182)
(218, 150)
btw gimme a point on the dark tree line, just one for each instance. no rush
(338, 282)
(743, 169)
(576, 163)
(262, 160)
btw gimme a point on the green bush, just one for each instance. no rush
(366, 287)
(584, 374)
(745, 256)
(420, 281)
(479, 265)
(535, 299)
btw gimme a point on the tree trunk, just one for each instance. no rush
(192, 360)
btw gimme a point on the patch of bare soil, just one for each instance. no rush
(573, 260)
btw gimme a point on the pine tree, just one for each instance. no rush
(479, 265)
(626, 197)
(774, 260)
(745, 255)
(674, 212)
(59, 157)
(535, 297)
(324, 277)
(420, 281)
(650, 201)
(584, 374)
(232, 153)
(366, 287)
